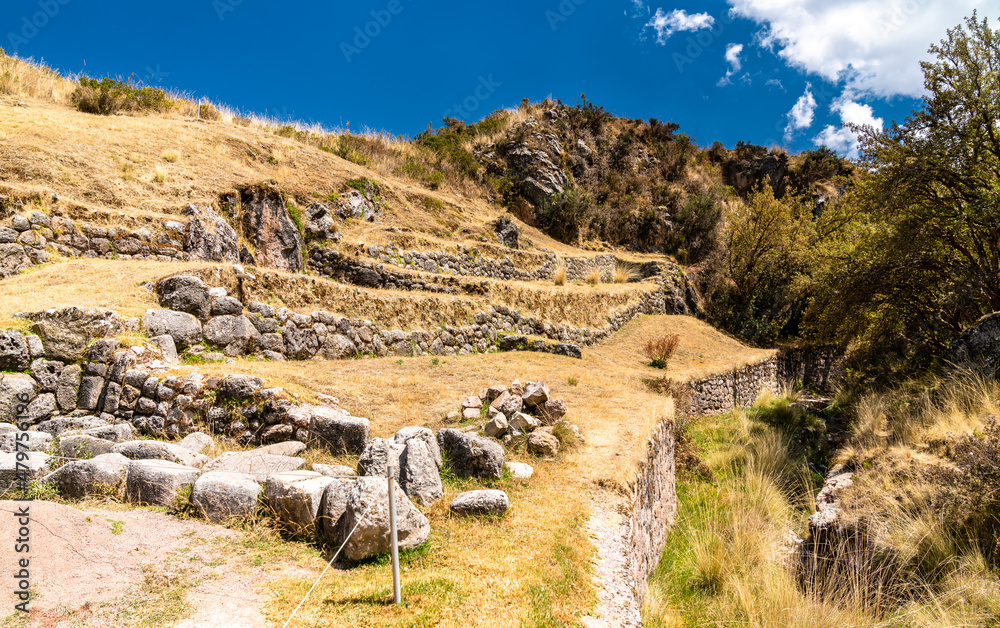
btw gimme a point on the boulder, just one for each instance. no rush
(295, 498)
(101, 475)
(301, 343)
(368, 509)
(67, 331)
(320, 223)
(25, 441)
(471, 455)
(197, 442)
(406, 434)
(209, 236)
(185, 293)
(471, 414)
(378, 456)
(263, 215)
(481, 502)
(14, 354)
(158, 482)
(418, 473)
(17, 390)
(22, 467)
(507, 231)
(237, 387)
(235, 335)
(543, 443)
(567, 349)
(181, 326)
(255, 463)
(338, 432)
(226, 306)
(158, 450)
(337, 347)
(332, 509)
(221, 496)
(83, 446)
(13, 259)
(535, 393)
(494, 391)
(519, 470)
(165, 344)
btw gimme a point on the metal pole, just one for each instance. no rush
(396, 595)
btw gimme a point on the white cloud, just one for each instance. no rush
(875, 45)
(801, 114)
(733, 58)
(666, 24)
(842, 139)
(776, 83)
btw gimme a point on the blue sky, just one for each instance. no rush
(784, 72)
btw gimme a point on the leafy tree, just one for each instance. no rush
(919, 260)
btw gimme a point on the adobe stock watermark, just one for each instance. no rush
(562, 12)
(469, 105)
(363, 35)
(22, 506)
(33, 24)
(222, 7)
(901, 14)
(700, 42)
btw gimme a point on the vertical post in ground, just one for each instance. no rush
(397, 596)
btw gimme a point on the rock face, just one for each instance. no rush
(371, 537)
(337, 432)
(158, 482)
(483, 502)
(979, 346)
(531, 161)
(182, 327)
(263, 218)
(66, 332)
(358, 205)
(471, 455)
(101, 475)
(209, 237)
(221, 496)
(185, 293)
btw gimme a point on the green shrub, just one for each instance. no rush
(564, 215)
(109, 96)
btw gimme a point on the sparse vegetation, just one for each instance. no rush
(660, 350)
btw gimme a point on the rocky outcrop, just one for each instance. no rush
(528, 155)
(507, 232)
(979, 346)
(209, 236)
(262, 216)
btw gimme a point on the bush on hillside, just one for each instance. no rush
(109, 96)
(660, 350)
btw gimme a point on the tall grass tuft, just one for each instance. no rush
(660, 350)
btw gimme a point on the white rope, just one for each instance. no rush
(285, 625)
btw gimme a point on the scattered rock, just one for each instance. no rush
(535, 393)
(507, 232)
(379, 456)
(406, 434)
(543, 443)
(295, 498)
(481, 502)
(197, 442)
(471, 455)
(337, 432)
(520, 470)
(496, 427)
(552, 411)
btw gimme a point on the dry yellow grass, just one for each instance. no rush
(593, 277)
(559, 276)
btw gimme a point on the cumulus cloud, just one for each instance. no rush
(735, 65)
(666, 24)
(842, 139)
(873, 45)
(802, 113)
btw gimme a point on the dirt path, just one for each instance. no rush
(617, 605)
(124, 568)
